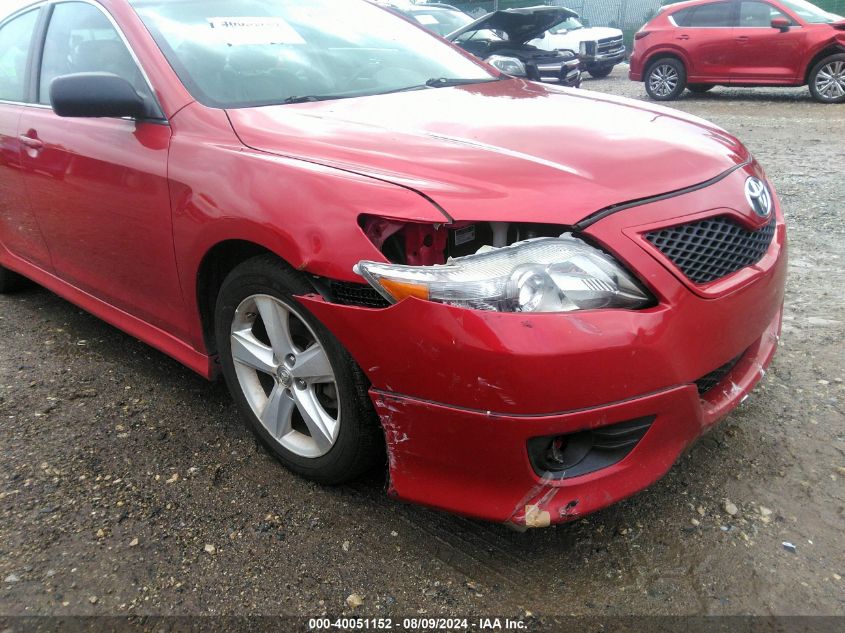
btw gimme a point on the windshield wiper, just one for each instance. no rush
(311, 98)
(437, 82)
(442, 82)
(445, 82)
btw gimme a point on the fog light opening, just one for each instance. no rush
(574, 454)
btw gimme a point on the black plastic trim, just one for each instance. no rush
(587, 451)
(616, 208)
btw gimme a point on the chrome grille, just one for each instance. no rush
(609, 44)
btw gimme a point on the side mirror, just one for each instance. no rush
(781, 24)
(96, 95)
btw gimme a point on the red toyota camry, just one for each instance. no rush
(530, 299)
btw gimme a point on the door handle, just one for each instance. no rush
(682, 37)
(31, 143)
(742, 39)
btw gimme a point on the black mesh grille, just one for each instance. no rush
(714, 248)
(708, 382)
(351, 294)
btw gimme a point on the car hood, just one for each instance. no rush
(591, 34)
(501, 151)
(572, 39)
(520, 25)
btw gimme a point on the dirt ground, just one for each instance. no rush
(129, 486)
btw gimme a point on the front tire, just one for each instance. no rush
(666, 79)
(827, 79)
(11, 282)
(294, 383)
(601, 72)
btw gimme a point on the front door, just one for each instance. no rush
(99, 186)
(762, 54)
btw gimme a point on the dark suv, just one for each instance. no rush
(501, 39)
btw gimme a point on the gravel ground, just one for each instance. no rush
(128, 486)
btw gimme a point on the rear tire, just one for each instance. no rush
(700, 88)
(11, 282)
(295, 385)
(666, 79)
(827, 79)
(600, 73)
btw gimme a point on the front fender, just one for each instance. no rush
(305, 213)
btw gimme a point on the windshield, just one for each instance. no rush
(810, 12)
(244, 53)
(441, 22)
(570, 24)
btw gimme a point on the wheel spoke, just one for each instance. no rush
(830, 80)
(303, 379)
(321, 427)
(248, 350)
(277, 323)
(313, 366)
(278, 413)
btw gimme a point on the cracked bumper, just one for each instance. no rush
(476, 463)
(460, 392)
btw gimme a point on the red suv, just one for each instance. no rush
(526, 300)
(701, 44)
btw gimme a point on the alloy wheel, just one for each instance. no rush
(285, 375)
(663, 80)
(830, 80)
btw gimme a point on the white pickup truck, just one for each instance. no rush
(598, 48)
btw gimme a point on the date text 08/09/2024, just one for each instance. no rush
(417, 624)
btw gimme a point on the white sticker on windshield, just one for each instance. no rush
(255, 31)
(426, 19)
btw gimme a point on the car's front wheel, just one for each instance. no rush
(601, 72)
(666, 79)
(297, 387)
(827, 79)
(10, 282)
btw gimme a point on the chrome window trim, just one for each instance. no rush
(118, 30)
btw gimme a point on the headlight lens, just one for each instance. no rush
(508, 65)
(582, 49)
(548, 274)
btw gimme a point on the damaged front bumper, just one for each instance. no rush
(509, 378)
(465, 397)
(476, 463)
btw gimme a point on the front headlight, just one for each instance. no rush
(582, 49)
(547, 274)
(508, 65)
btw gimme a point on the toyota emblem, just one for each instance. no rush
(758, 196)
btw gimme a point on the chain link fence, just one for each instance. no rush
(834, 6)
(627, 15)
(621, 14)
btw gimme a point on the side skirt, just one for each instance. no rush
(143, 331)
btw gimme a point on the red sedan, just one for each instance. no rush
(706, 43)
(529, 299)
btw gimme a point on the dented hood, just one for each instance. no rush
(508, 150)
(520, 25)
